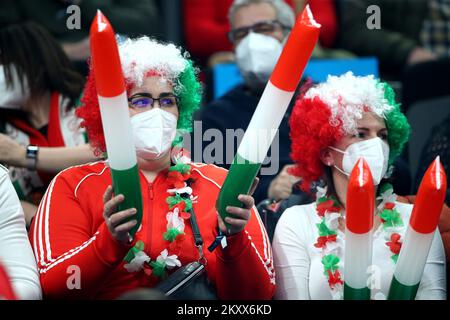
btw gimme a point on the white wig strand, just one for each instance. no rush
(348, 96)
(141, 55)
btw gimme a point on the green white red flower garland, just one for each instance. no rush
(330, 243)
(179, 202)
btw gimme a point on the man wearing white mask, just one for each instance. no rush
(258, 31)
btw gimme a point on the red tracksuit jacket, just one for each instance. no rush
(69, 236)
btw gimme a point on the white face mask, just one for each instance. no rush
(374, 151)
(256, 57)
(12, 97)
(153, 133)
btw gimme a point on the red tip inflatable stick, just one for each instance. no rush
(360, 199)
(430, 198)
(105, 58)
(296, 52)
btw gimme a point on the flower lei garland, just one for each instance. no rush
(179, 202)
(329, 211)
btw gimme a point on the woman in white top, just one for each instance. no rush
(332, 125)
(16, 254)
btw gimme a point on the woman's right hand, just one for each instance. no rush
(114, 220)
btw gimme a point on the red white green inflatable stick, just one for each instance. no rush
(270, 111)
(360, 208)
(419, 235)
(113, 103)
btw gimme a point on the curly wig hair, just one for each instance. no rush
(140, 58)
(325, 113)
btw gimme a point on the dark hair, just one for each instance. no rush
(39, 59)
(328, 181)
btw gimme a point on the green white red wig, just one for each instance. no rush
(141, 58)
(325, 113)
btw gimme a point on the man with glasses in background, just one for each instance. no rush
(259, 29)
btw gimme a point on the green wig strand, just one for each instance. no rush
(396, 124)
(189, 92)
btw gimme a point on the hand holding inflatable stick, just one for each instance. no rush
(270, 111)
(360, 208)
(420, 233)
(113, 103)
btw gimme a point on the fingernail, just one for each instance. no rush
(133, 210)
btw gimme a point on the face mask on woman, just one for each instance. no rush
(153, 132)
(376, 153)
(256, 57)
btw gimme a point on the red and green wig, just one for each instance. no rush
(325, 113)
(140, 58)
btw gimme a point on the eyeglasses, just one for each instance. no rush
(264, 27)
(144, 100)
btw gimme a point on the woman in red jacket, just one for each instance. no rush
(82, 244)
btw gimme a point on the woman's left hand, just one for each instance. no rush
(241, 216)
(11, 153)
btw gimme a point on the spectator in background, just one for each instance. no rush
(16, 255)
(258, 29)
(430, 79)
(435, 31)
(438, 144)
(39, 133)
(206, 24)
(131, 18)
(205, 28)
(397, 43)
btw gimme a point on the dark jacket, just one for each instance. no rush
(234, 111)
(401, 23)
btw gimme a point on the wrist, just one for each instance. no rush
(19, 157)
(31, 155)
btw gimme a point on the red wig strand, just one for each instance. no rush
(90, 113)
(311, 132)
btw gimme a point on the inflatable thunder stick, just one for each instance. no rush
(113, 103)
(270, 111)
(360, 208)
(420, 233)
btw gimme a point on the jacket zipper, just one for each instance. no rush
(150, 189)
(150, 218)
